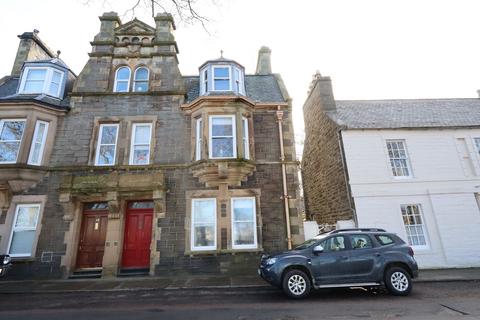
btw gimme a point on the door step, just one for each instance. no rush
(86, 274)
(135, 272)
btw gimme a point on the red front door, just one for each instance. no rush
(92, 239)
(138, 236)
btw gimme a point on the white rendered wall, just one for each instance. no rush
(441, 184)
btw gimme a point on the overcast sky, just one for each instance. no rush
(371, 49)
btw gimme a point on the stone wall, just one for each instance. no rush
(323, 173)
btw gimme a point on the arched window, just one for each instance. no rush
(140, 80)
(122, 79)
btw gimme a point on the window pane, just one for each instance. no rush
(222, 126)
(204, 236)
(140, 86)
(334, 244)
(122, 86)
(9, 151)
(360, 242)
(35, 153)
(106, 155)
(141, 74)
(36, 74)
(109, 135)
(141, 205)
(33, 86)
(222, 84)
(22, 242)
(243, 233)
(142, 134)
(12, 130)
(56, 76)
(222, 147)
(243, 210)
(220, 72)
(123, 74)
(54, 89)
(27, 217)
(141, 155)
(203, 211)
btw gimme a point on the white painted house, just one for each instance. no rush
(413, 168)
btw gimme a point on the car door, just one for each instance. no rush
(363, 258)
(329, 266)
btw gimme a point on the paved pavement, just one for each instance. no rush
(191, 282)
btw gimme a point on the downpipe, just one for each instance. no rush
(284, 178)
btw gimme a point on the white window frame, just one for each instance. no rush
(2, 123)
(423, 226)
(238, 73)
(255, 240)
(229, 78)
(192, 227)
(407, 159)
(13, 229)
(99, 140)
(128, 81)
(234, 136)
(476, 142)
(245, 138)
(46, 82)
(132, 143)
(198, 138)
(42, 143)
(135, 79)
(205, 80)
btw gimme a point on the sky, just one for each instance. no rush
(372, 49)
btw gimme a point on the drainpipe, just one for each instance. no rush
(284, 177)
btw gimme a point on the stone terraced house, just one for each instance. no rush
(411, 166)
(132, 168)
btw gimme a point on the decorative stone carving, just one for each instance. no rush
(229, 172)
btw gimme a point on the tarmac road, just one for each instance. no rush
(440, 300)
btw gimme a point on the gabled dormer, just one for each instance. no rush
(222, 76)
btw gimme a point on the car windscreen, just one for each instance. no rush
(309, 243)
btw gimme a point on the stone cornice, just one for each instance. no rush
(149, 93)
(28, 105)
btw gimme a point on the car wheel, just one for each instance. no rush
(296, 284)
(398, 281)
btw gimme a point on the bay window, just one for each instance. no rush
(244, 235)
(11, 133)
(204, 225)
(246, 144)
(38, 143)
(42, 80)
(24, 230)
(222, 137)
(198, 139)
(140, 143)
(106, 145)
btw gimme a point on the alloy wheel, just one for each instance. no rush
(297, 284)
(399, 281)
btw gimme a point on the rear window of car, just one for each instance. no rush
(384, 240)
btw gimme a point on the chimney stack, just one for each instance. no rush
(264, 65)
(30, 48)
(164, 26)
(109, 21)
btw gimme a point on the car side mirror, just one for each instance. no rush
(318, 249)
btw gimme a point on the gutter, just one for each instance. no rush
(284, 178)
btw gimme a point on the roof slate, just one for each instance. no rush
(408, 113)
(260, 88)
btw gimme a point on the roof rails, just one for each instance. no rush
(359, 229)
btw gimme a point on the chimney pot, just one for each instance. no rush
(264, 65)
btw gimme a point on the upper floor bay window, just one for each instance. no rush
(222, 137)
(221, 78)
(204, 225)
(24, 230)
(11, 133)
(198, 138)
(45, 80)
(140, 143)
(244, 225)
(122, 79)
(399, 162)
(38, 143)
(414, 225)
(140, 80)
(106, 145)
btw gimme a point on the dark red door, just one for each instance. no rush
(138, 236)
(92, 239)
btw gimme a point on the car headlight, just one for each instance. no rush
(6, 259)
(270, 261)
